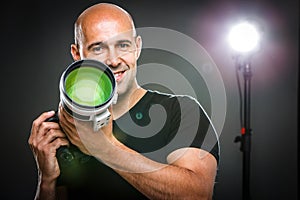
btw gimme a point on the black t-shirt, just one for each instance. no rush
(157, 125)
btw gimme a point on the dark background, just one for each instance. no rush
(35, 41)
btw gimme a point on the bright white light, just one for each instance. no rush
(244, 37)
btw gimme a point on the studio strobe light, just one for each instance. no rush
(244, 38)
(87, 89)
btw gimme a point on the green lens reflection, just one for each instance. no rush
(88, 86)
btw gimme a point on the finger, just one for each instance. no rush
(66, 121)
(58, 142)
(50, 148)
(65, 124)
(46, 126)
(68, 128)
(64, 115)
(37, 122)
(51, 136)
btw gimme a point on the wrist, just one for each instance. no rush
(46, 189)
(47, 183)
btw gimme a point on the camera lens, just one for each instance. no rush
(88, 86)
(87, 89)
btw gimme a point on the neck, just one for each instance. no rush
(127, 101)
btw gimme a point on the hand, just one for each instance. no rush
(82, 135)
(44, 140)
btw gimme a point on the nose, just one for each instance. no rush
(112, 59)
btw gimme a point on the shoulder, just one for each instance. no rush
(184, 104)
(153, 94)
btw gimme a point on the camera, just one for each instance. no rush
(87, 88)
(63, 153)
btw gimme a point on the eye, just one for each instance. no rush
(97, 49)
(124, 46)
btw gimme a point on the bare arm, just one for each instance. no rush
(44, 140)
(191, 176)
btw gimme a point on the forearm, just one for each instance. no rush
(156, 180)
(170, 182)
(46, 190)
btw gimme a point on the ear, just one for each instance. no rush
(75, 52)
(138, 42)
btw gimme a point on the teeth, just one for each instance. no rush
(118, 74)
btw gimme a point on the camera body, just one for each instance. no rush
(63, 153)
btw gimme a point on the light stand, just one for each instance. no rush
(245, 137)
(244, 39)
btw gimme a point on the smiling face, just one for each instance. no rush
(106, 33)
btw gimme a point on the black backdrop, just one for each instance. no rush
(35, 41)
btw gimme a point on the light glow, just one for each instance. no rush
(244, 38)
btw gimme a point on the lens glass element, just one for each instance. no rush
(88, 86)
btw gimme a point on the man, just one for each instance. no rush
(119, 162)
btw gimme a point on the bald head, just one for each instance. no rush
(99, 15)
(106, 32)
